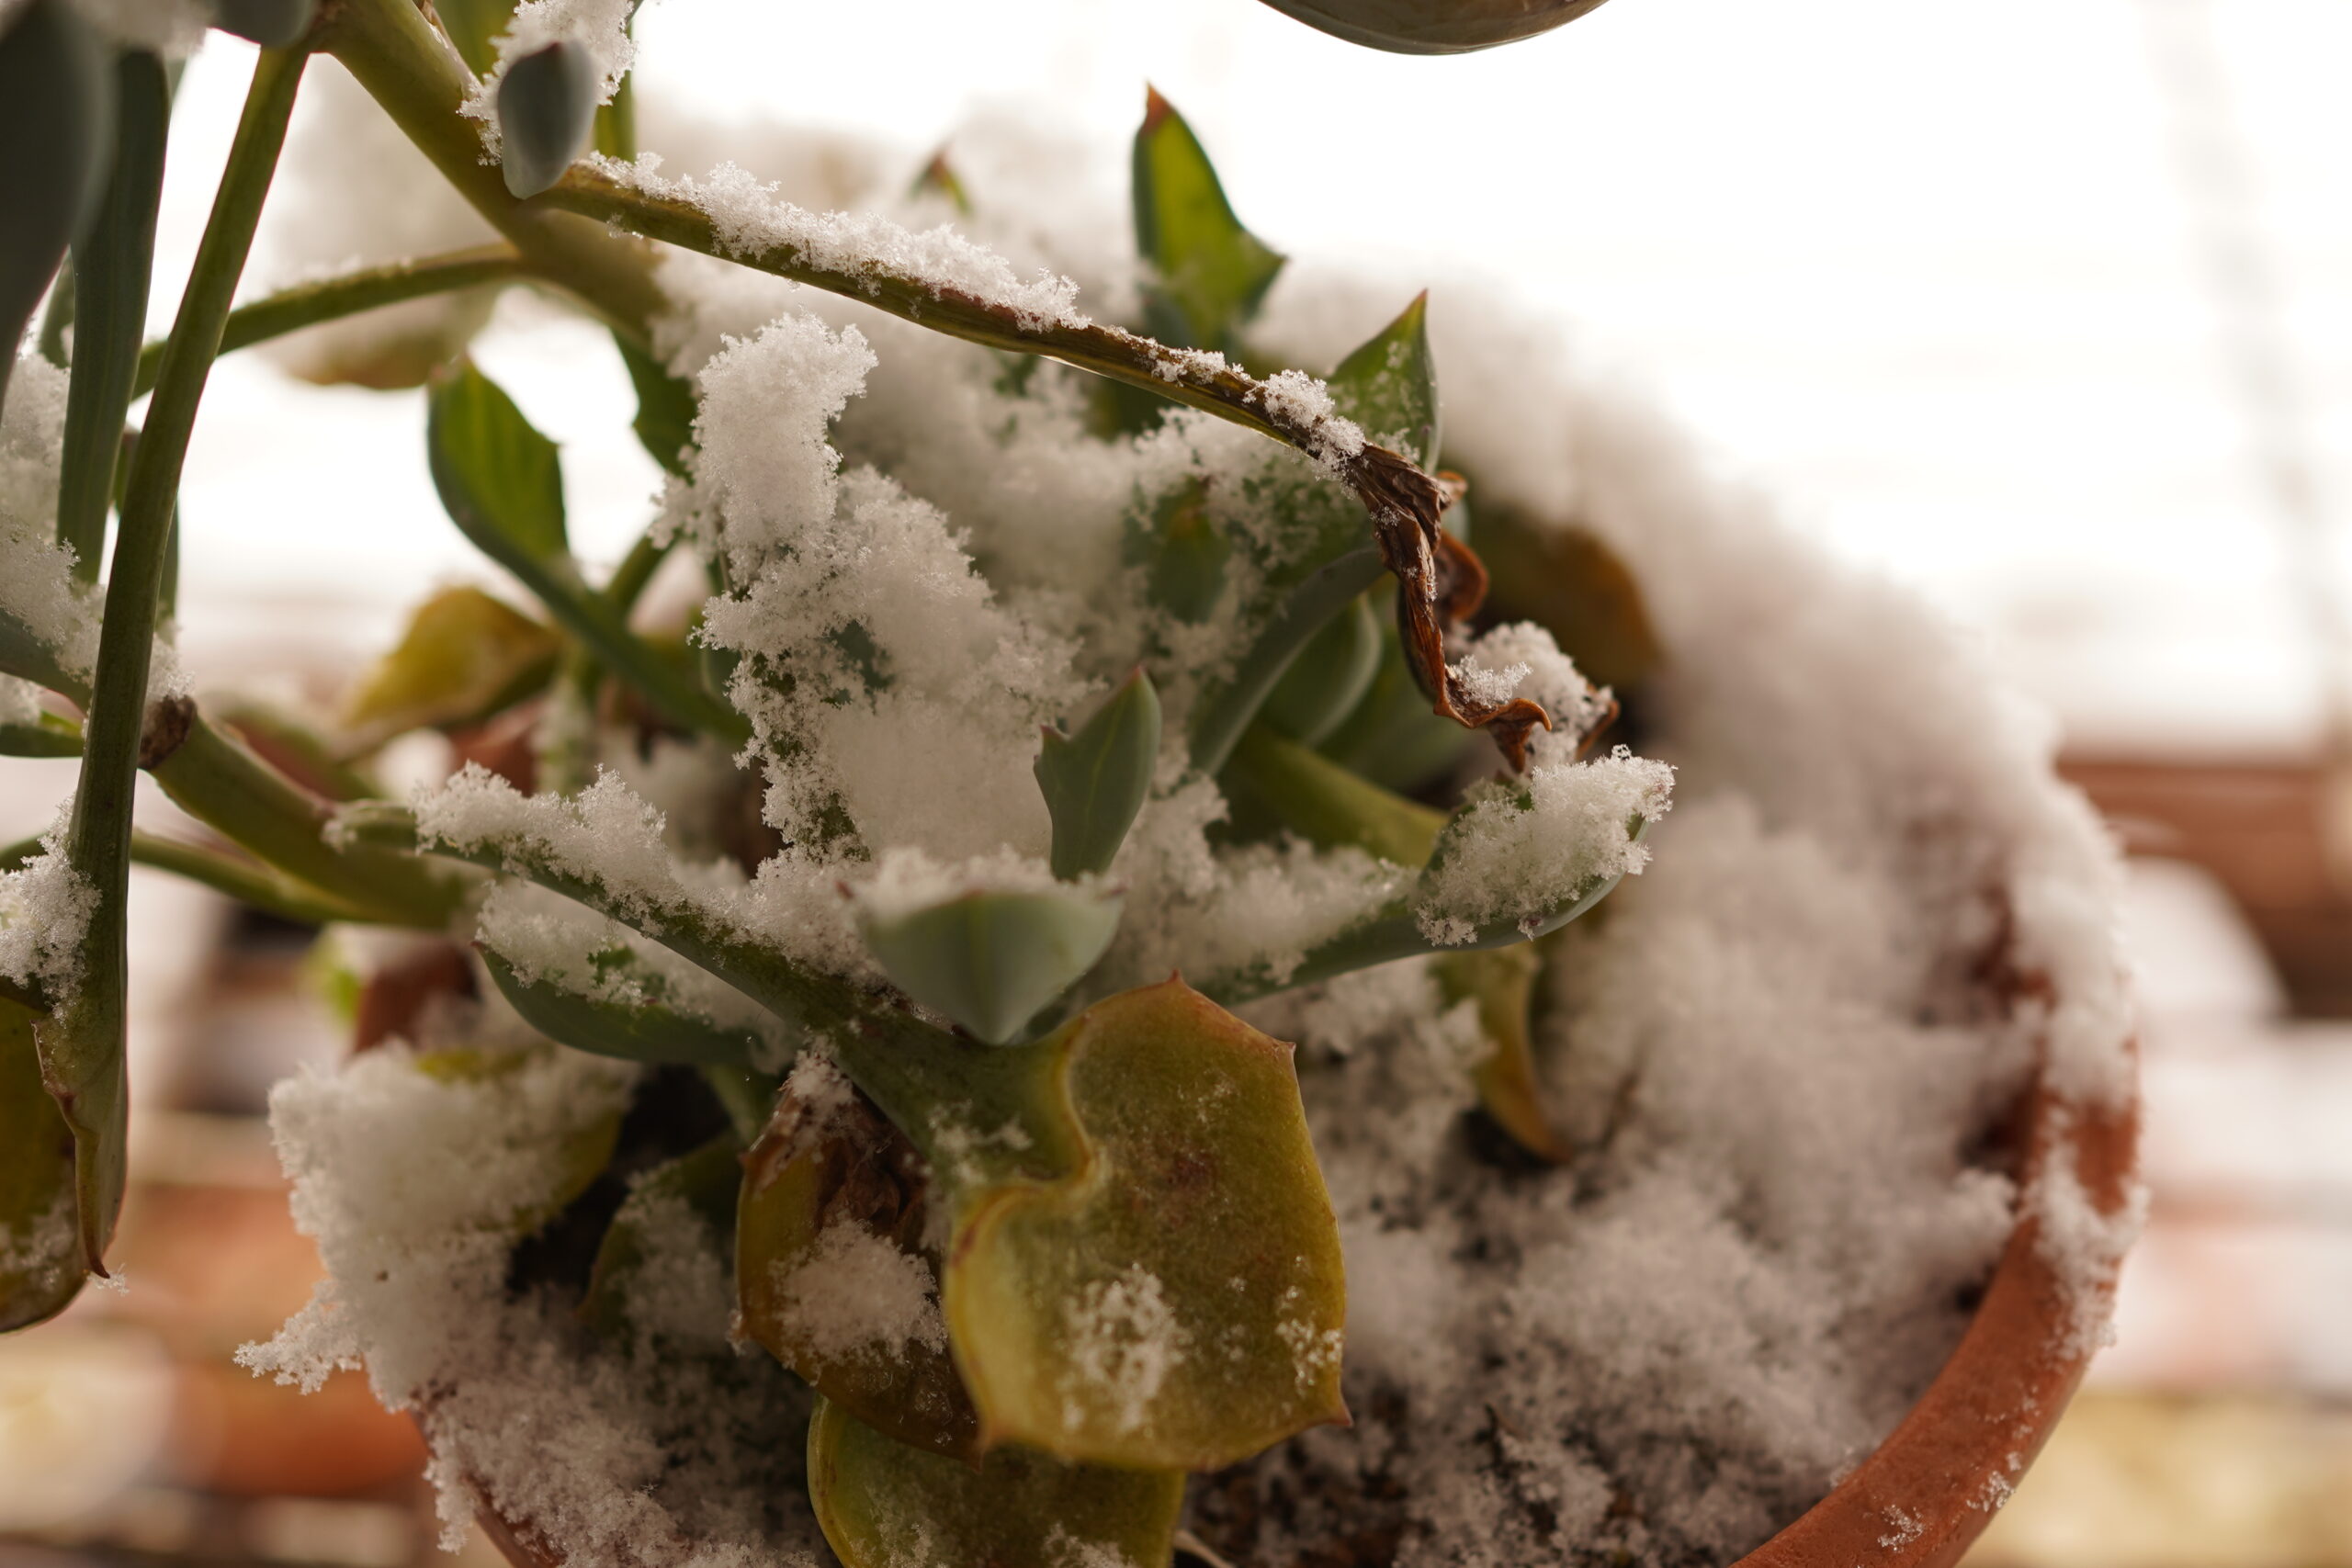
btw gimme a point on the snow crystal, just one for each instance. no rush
(1520, 845)
(856, 1294)
(1519, 659)
(45, 910)
(752, 221)
(36, 588)
(1122, 1339)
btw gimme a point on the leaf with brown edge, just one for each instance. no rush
(1175, 1299)
(1502, 981)
(41, 1254)
(882, 1504)
(831, 1187)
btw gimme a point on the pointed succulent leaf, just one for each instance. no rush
(1433, 26)
(882, 1504)
(1096, 781)
(1388, 384)
(1392, 738)
(57, 116)
(991, 961)
(1317, 558)
(1329, 677)
(1184, 555)
(49, 736)
(464, 657)
(273, 24)
(1502, 983)
(40, 1255)
(833, 1199)
(627, 1019)
(546, 115)
(497, 476)
(696, 1189)
(1211, 272)
(939, 178)
(1173, 1298)
(665, 408)
(1323, 803)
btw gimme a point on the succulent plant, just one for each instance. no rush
(982, 815)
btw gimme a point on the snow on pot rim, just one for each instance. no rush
(1875, 927)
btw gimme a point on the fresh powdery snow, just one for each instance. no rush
(1775, 1048)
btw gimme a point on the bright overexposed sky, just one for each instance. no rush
(1931, 273)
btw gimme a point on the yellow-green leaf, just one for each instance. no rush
(465, 655)
(1211, 273)
(1502, 982)
(580, 1157)
(41, 1254)
(882, 1504)
(832, 1202)
(1174, 1300)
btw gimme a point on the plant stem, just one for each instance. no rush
(243, 880)
(366, 288)
(82, 1052)
(411, 71)
(110, 270)
(237, 796)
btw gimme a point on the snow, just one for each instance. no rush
(45, 910)
(1777, 1051)
(37, 587)
(855, 1295)
(1518, 844)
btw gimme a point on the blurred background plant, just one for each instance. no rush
(2059, 333)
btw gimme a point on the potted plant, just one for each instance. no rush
(1045, 962)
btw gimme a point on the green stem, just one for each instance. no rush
(81, 1052)
(913, 1071)
(348, 294)
(413, 73)
(233, 793)
(111, 268)
(243, 880)
(635, 570)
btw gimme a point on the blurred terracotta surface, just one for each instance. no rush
(2260, 829)
(217, 1266)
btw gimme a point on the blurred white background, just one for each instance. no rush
(1939, 276)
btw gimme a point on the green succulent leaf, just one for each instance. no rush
(882, 1504)
(1317, 561)
(991, 961)
(48, 737)
(1433, 26)
(1185, 553)
(1392, 738)
(665, 408)
(500, 483)
(273, 24)
(1096, 781)
(1502, 981)
(498, 477)
(1329, 677)
(698, 1188)
(1325, 804)
(1172, 1296)
(57, 114)
(830, 1180)
(41, 1254)
(464, 655)
(546, 115)
(633, 1029)
(1211, 273)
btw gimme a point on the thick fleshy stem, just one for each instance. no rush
(82, 1049)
